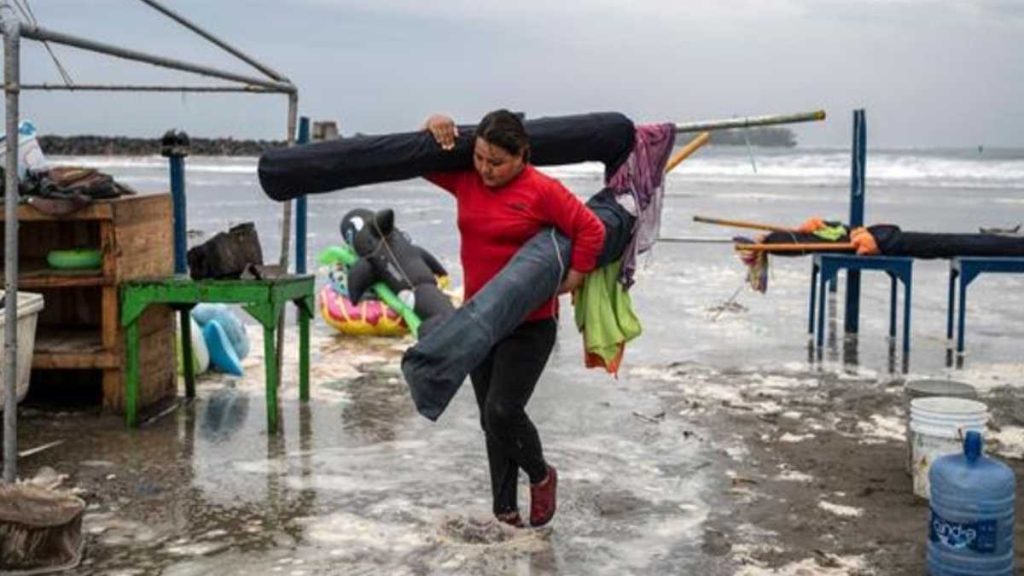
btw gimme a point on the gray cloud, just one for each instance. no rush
(929, 72)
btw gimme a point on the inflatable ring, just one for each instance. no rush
(77, 259)
(368, 318)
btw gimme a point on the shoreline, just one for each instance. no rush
(96, 145)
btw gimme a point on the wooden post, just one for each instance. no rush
(686, 151)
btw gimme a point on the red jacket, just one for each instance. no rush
(496, 222)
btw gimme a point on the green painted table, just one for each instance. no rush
(263, 299)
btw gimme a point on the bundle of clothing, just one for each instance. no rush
(880, 239)
(65, 189)
(891, 240)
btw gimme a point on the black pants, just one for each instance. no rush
(503, 383)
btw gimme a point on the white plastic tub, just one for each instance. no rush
(938, 425)
(29, 305)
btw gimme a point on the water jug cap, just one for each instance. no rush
(972, 445)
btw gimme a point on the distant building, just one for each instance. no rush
(325, 130)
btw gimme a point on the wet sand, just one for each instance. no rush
(679, 468)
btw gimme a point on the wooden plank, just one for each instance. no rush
(144, 251)
(144, 238)
(157, 379)
(75, 360)
(108, 247)
(148, 207)
(71, 349)
(35, 274)
(113, 391)
(97, 210)
(110, 333)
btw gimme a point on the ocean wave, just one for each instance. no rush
(882, 169)
(212, 164)
(796, 167)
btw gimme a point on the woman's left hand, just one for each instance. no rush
(572, 281)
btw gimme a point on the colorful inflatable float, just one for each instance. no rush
(385, 315)
(367, 318)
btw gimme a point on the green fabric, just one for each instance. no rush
(604, 313)
(831, 233)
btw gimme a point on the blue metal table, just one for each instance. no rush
(963, 271)
(825, 271)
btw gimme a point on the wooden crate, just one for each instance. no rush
(79, 327)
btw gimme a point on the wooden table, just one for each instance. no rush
(262, 299)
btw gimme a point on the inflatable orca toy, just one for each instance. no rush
(387, 255)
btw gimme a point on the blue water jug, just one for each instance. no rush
(971, 527)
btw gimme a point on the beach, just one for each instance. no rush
(727, 444)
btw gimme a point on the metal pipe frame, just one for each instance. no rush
(148, 88)
(41, 34)
(12, 42)
(286, 227)
(751, 121)
(268, 71)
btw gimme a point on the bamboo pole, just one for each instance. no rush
(686, 151)
(750, 121)
(742, 224)
(809, 247)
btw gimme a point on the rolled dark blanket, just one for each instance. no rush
(895, 242)
(287, 173)
(437, 365)
(892, 241)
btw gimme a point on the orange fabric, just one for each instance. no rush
(592, 360)
(864, 242)
(811, 225)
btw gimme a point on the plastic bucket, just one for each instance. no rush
(937, 427)
(29, 305)
(926, 389)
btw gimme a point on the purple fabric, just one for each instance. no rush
(642, 176)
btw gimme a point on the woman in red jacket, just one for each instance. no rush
(501, 204)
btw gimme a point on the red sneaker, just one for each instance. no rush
(513, 519)
(542, 499)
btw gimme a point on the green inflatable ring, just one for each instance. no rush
(77, 259)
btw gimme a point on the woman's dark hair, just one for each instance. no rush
(506, 130)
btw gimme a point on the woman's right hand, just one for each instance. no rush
(444, 130)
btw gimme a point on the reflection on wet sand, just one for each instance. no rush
(378, 402)
(358, 483)
(849, 355)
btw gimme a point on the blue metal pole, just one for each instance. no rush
(852, 317)
(175, 146)
(180, 222)
(301, 208)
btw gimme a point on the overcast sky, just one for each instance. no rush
(929, 72)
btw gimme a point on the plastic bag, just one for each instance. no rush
(30, 154)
